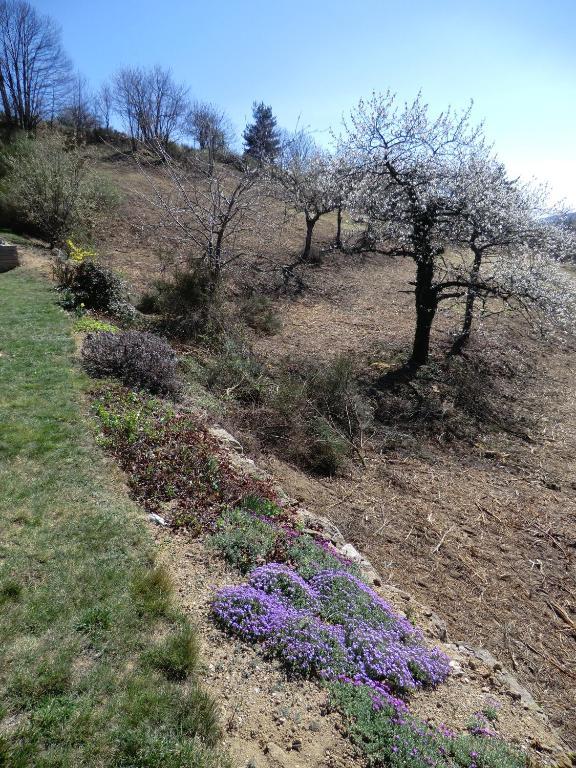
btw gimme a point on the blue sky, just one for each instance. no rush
(312, 60)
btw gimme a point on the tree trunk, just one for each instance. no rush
(338, 240)
(310, 222)
(426, 305)
(464, 336)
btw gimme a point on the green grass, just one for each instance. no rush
(12, 238)
(84, 680)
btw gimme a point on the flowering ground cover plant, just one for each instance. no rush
(331, 626)
(313, 639)
(390, 736)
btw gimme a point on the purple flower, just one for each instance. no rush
(308, 646)
(285, 584)
(248, 612)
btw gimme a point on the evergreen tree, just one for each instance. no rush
(262, 138)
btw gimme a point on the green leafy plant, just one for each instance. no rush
(53, 191)
(92, 325)
(244, 540)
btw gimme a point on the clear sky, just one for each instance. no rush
(311, 60)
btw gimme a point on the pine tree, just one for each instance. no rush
(262, 138)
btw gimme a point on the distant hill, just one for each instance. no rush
(569, 219)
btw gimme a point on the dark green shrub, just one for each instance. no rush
(236, 372)
(322, 450)
(148, 303)
(188, 303)
(138, 359)
(10, 591)
(89, 284)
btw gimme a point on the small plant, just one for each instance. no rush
(260, 314)
(262, 507)
(235, 372)
(323, 450)
(282, 582)
(177, 656)
(309, 556)
(91, 325)
(391, 737)
(244, 540)
(136, 358)
(10, 591)
(490, 710)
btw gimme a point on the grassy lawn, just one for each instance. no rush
(11, 237)
(97, 668)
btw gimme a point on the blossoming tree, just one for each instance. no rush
(430, 187)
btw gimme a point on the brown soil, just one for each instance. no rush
(483, 533)
(268, 720)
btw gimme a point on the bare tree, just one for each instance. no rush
(209, 217)
(150, 103)
(304, 172)
(210, 128)
(79, 112)
(34, 71)
(104, 105)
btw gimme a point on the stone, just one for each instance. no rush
(297, 745)
(158, 519)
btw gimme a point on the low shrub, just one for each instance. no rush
(89, 285)
(235, 372)
(308, 556)
(244, 540)
(260, 314)
(322, 449)
(137, 359)
(395, 739)
(188, 304)
(91, 325)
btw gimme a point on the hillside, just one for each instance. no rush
(479, 526)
